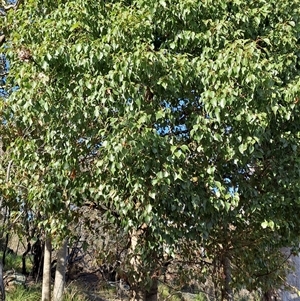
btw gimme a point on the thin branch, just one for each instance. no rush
(199, 262)
(8, 170)
(2, 39)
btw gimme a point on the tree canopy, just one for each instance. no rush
(180, 118)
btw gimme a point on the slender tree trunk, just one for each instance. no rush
(2, 289)
(46, 289)
(270, 295)
(5, 249)
(60, 272)
(227, 293)
(24, 271)
(138, 292)
(152, 293)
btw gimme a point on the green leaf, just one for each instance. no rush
(173, 148)
(184, 148)
(78, 47)
(242, 148)
(163, 3)
(148, 208)
(275, 109)
(152, 195)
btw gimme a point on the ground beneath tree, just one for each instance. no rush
(95, 288)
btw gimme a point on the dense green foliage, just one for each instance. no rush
(178, 117)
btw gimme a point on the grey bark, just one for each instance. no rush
(60, 272)
(137, 294)
(46, 288)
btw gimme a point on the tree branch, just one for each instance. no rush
(8, 170)
(2, 40)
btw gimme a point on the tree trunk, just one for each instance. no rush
(140, 294)
(152, 293)
(60, 272)
(137, 294)
(46, 289)
(24, 271)
(37, 250)
(138, 291)
(270, 295)
(2, 288)
(227, 293)
(5, 249)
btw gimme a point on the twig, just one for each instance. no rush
(8, 170)
(2, 39)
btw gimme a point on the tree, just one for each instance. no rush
(178, 119)
(46, 289)
(60, 272)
